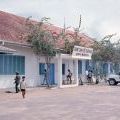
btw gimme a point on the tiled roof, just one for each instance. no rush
(12, 26)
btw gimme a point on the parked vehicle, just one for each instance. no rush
(113, 79)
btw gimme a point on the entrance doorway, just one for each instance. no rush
(52, 74)
(51, 79)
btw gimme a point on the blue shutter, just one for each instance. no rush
(63, 69)
(1, 65)
(116, 68)
(18, 64)
(94, 67)
(87, 64)
(5, 64)
(105, 68)
(111, 68)
(41, 68)
(22, 67)
(79, 67)
(14, 64)
(9, 64)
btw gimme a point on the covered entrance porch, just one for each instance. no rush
(70, 62)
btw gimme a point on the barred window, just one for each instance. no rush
(87, 65)
(9, 64)
(79, 67)
(41, 68)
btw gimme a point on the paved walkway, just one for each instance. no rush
(87, 102)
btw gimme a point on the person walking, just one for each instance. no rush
(23, 86)
(17, 82)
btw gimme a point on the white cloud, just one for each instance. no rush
(99, 17)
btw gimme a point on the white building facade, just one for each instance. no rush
(23, 60)
(16, 56)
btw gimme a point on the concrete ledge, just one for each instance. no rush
(68, 86)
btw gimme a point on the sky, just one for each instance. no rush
(99, 17)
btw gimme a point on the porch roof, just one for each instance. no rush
(69, 56)
(6, 49)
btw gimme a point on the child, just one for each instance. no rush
(23, 87)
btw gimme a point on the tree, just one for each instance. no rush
(71, 38)
(106, 51)
(41, 40)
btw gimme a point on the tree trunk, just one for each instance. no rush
(48, 59)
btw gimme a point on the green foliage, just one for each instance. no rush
(105, 50)
(41, 40)
(102, 52)
(71, 39)
(68, 47)
(43, 48)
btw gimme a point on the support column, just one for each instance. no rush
(83, 70)
(83, 67)
(109, 67)
(76, 71)
(59, 70)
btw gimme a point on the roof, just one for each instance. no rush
(6, 49)
(12, 26)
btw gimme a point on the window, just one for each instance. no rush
(105, 68)
(9, 64)
(41, 68)
(63, 69)
(79, 67)
(87, 64)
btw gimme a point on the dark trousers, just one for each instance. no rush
(89, 79)
(17, 88)
(69, 79)
(45, 80)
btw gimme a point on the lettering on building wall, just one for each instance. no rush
(82, 52)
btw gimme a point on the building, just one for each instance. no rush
(16, 55)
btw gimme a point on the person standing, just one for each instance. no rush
(86, 73)
(23, 86)
(17, 82)
(45, 77)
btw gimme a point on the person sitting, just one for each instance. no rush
(90, 76)
(69, 76)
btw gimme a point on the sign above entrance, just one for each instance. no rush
(82, 52)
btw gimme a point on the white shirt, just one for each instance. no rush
(86, 72)
(23, 85)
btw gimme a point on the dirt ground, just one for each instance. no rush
(87, 102)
